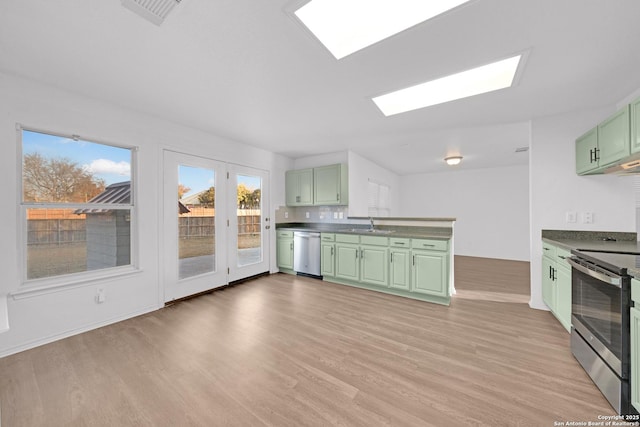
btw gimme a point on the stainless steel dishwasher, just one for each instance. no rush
(306, 253)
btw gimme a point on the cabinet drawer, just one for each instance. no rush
(549, 250)
(374, 240)
(328, 237)
(347, 238)
(429, 244)
(285, 233)
(399, 243)
(562, 254)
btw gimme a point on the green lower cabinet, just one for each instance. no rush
(548, 282)
(347, 261)
(373, 265)
(328, 259)
(399, 269)
(563, 295)
(635, 357)
(284, 250)
(429, 273)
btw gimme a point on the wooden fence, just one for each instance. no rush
(59, 231)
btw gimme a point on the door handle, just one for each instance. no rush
(267, 227)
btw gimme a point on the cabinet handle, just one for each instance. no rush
(297, 198)
(428, 246)
(596, 155)
(413, 262)
(391, 256)
(591, 156)
(291, 244)
(550, 274)
(331, 250)
(554, 274)
(337, 196)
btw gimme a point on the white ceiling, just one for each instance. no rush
(248, 70)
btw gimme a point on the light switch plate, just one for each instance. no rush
(571, 216)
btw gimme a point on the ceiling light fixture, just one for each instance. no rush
(487, 78)
(453, 160)
(346, 26)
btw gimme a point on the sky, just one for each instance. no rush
(113, 164)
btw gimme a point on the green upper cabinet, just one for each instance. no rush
(634, 118)
(322, 186)
(586, 149)
(613, 138)
(299, 187)
(608, 144)
(330, 185)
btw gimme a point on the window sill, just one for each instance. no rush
(59, 284)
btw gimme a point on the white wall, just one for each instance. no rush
(361, 171)
(50, 315)
(491, 207)
(556, 189)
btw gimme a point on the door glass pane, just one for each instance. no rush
(249, 220)
(196, 221)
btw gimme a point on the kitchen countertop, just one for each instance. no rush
(441, 233)
(623, 252)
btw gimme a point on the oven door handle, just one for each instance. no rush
(615, 281)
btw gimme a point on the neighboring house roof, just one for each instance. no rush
(193, 199)
(120, 192)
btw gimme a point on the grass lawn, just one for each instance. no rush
(67, 258)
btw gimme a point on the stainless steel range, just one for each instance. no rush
(600, 341)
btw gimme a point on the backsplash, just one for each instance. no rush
(315, 214)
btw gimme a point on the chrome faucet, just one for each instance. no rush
(371, 226)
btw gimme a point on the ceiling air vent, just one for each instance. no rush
(522, 149)
(152, 10)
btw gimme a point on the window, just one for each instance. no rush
(77, 205)
(378, 199)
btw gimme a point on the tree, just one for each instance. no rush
(208, 198)
(248, 199)
(58, 180)
(182, 190)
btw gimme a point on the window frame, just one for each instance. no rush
(84, 277)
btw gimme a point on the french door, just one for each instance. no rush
(249, 222)
(213, 224)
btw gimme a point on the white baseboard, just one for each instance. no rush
(76, 331)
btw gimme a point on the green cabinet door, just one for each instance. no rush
(548, 282)
(284, 252)
(327, 259)
(373, 265)
(586, 147)
(635, 125)
(299, 187)
(429, 273)
(330, 185)
(563, 295)
(347, 261)
(613, 138)
(635, 358)
(399, 269)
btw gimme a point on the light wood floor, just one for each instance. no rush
(287, 351)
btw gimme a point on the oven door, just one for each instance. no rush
(597, 312)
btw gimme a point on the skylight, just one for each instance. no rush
(346, 26)
(487, 78)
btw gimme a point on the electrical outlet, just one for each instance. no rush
(571, 217)
(100, 296)
(306, 214)
(286, 215)
(341, 215)
(587, 218)
(335, 215)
